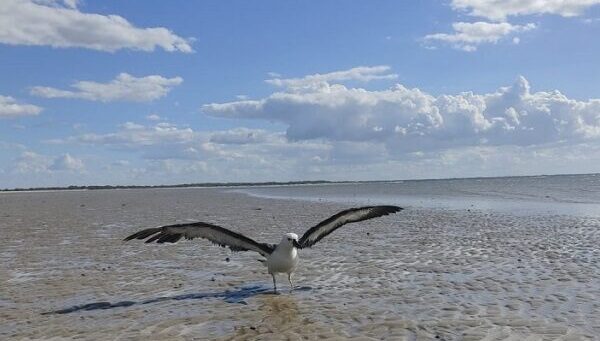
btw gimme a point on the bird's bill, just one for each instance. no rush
(296, 244)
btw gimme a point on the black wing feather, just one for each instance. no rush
(216, 234)
(352, 215)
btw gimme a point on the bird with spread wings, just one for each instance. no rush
(279, 258)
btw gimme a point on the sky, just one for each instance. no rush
(166, 92)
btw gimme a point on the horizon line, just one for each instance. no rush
(264, 183)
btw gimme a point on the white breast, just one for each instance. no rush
(283, 259)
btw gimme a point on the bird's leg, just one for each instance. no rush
(290, 279)
(274, 284)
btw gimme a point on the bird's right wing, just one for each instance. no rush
(216, 234)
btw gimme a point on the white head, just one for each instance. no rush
(290, 239)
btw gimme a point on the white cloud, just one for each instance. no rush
(154, 117)
(330, 160)
(239, 149)
(66, 162)
(361, 73)
(124, 87)
(58, 3)
(120, 163)
(276, 158)
(12, 146)
(31, 162)
(132, 135)
(499, 10)
(71, 3)
(410, 120)
(60, 24)
(240, 136)
(467, 36)
(337, 132)
(10, 108)
(169, 141)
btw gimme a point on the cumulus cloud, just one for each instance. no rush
(60, 24)
(467, 36)
(410, 120)
(66, 162)
(334, 130)
(361, 73)
(31, 162)
(10, 108)
(124, 87)
(499, 10)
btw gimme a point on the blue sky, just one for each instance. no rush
(137, 92)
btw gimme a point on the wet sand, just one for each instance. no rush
(422, 274)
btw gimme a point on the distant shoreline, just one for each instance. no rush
(190, 185)
(252, 184)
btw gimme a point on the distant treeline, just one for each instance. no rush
(210, 184)
(272, 183)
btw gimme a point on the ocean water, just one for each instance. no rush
(577, 195)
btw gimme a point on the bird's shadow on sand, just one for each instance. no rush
(230, 296)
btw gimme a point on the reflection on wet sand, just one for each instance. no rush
(279, 310)
(281, 317)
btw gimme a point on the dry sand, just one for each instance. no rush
(418, 275)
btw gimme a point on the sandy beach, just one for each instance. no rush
(423, 274)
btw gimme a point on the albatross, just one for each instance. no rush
(280, 258)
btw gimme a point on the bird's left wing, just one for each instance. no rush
(352, 215)
(216, 234)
